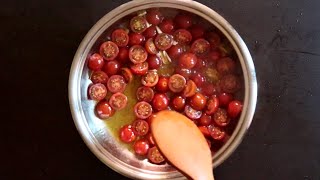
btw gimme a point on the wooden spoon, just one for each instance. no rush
(182, 143)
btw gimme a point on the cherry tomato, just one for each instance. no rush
(145, 94)
(182, 36)
(138, 54)
(160, 102)
(126, 134)
(226, 66)
(175, 51)
(139, 69)
(190, 90)
(163, 41)
(140, 127)
(216, 132)
(97, 91)
(154, 16)
(95, 62)
(186, 73)
(150, 32)
(109, 50)
(118, 101)
(234, 108)
(138, 24)
(141, 147)
(123, 55)
(104, 110)
(183, 20)
(116, 83)
(209, 89)
(201, 64)
(225, 99)
(112, 67)
(162, 85)
(199, 79)
(198, 101)
(151, 47)
(221, 118)
(187, 60)
(205, 120)
(127, 74)
(214, 56)
(136, 39)
(177, 83)
(192, 113)
(205, 131)
(150, 138)
(212, 105)
(167, 26)
(155, 156)
(99, 77)
(178, 103)
(214, 39)
(143, 110)
(120, 37)
(154, 62)
(150, 79)
(230, 83)
(197, 31)
(150, 119)
(200, 47)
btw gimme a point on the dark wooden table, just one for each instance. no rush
(39, 38)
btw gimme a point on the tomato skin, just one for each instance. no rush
(151, 47)
(155, 156)
(221, 118)
(190, 90)
(192, 113)
(197, 31)
(214, 56)
(177, 83)
(186, 73)
(99, 77)
(150, 32)
(162, 85)
(109, 50)
(136, 39)
(175, 51)
(187, 60)
(143, 110)
(138, 24)
(127, 134)
(178, 103)
(154, 62)
(95, 62)
(230, 83)
(140, 68)
(116, 83)
(167, 26)
(200, 47)
(212, 105)
(160, 102)
(127, 74)
(209, 89)
(214, 39)
(226, 66)
(225, 99)
(216, 132)
(120, 37)
(154, 17)
(140, 127)
(198, 101)
(118, 101)
(150, 79)
(182, 36)
(150, 138)
(123, 55)
(205, 131)
(104, 110)
(141, 147)
(183, 20)
(145, 94)
(112, 67)
(97, 91)
(199, 79)
(163, 41)
(138, 54)
(234, 108)
(205, 120)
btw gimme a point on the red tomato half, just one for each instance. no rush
(154, 16)
(127, 74)
(226, 66)
(95, 62)
(150, 32)
(126, 134)
(123, 55)
(151, 47)
(190, 90)
(136, 39)
(150, 79)
(139, 69)
(212, 105)
(138, 24)
(120, 37)
(143, 110)
(118, 101)
(182, 36)
(112, 67)
(221, 118)
(163, 41)
(192, 113)
(109, 50)
(183, 20)
(187, 60)
(155, 156)
(141, 147)
(160, 102)
(97, 91)
(138, 54)
(145, 94)
(104, 110)
(198, 101)
(154, 62)
(140, 127)
(197, 31)
(200, 47)
(99, 77)
(216, 132)
(178, 103)
(234, 108)
(116, 83)
(162, 85)
(225, 99)
(177, 83)
(166, 26)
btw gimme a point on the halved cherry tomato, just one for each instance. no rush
(155, 156)
(226, 66)
(205, 131)
(139, 69)
(225, 99)
(120, 37)
(150, 138)
(154, 62)
(192, 113)
(221, 118)
(230, 83)
(160, 102)
(209, 89)
(212, 105)
(198, 101)
(175, 51)
(162, 85)
(201, 64)
(178, 103)
(186, 73)
(214, 56)
(150, 119)
(109, 50)
(214, 39)
(126, 134)
(163, 41)
(97, 91)
(138, 54)
(167, 26)
(200, 47)
(150, 32)
(183, 20)
(104, 110)
(205, 120)
(182, 36)
(187, 60)
(151, 47)
(197, 31)
(212, 75)
(199, 79)
(99, 77)
(123, 55)
(143, 110)
(234, 108)
(138, 24)
(145, 94)
(118, 101)
(127, 74)
(177, 83)
(154, 16)
(190, 90)
(216, 132)
(95, 62)
(116, 83)
(141, 147)
(112, 67)
(140, 127)
(150, 79)
(136, 39)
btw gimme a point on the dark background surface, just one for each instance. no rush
(39, 38)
